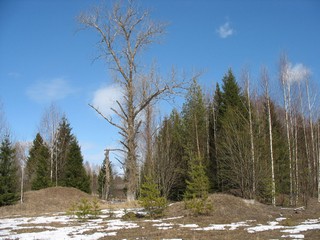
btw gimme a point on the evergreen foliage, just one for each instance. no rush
(196, 195)
(198, 182)
(62, 147)
(102, 179)
(171, 166)
(38, 164)
(75, 174)
(194, 114)
(150, 198)
(215, 113)
(8, 173)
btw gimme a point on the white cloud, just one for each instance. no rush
(297, 72)
(50, 90)
(105, 98)
(225, 30)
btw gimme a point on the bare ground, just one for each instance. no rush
(226, 209)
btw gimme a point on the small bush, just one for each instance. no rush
(151, 200)
(199, 206)
(85, 209)
(129, 216)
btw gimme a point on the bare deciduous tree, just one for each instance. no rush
(265, 82)
(124, 32)
(246, 79)
(21, 152)
(286, 88)
(48, 130)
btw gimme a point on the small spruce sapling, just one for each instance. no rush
(196, 195)
(150, 198)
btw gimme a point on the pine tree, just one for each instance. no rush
(75, 173)
(8, 173)
(38, 164)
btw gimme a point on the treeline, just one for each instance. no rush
(53, 159)
(250, 144)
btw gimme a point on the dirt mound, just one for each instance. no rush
(228, 208)
(55, 199)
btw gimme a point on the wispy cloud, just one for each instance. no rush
(50, 90)
(105, 98)
(225, 30)
(14, 75)
(298, 72)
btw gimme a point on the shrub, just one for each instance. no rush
(199, 206)
(196, 195)
(85, 209)
(151, 200)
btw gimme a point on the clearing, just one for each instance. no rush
(42, 216)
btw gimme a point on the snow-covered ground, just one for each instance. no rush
(109, 223)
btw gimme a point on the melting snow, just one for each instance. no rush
(65, 227)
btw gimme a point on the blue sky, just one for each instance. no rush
(45, 59)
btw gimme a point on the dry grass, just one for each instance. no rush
(226, 209)
(49, 200)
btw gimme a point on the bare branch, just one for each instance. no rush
(108, 120)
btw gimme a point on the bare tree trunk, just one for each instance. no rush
(319, 161)
(197, 136)
(306, 145)
(108, 177)
(247, 84)
(284, 80)
(313, 155)
(265, 80)
(296, 158)
(124, 35)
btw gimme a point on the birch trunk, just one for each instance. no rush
(284, 79)
(265, 79)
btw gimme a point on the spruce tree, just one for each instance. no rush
(8, 173)
(38, 164)
(198, 182)
(102, 179)
(196, 195)
(62, 148)
(150, 198)
(233, 117)
(194, 119)
(75, 173)
(215, 116)
(231, 96)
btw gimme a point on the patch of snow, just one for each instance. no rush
(163, 226)
(261, 228)
(219, 227)
(302, 228)
(118, 225)
(280, 219)
(189, 225)
(295, 236)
